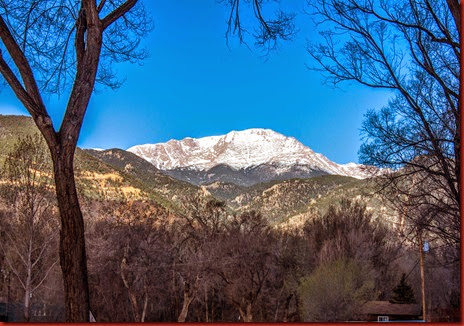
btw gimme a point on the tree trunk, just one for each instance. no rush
(249, 316)
(453, 6)
(287, 308)
(132, 296)
(72, 242)
(246, 315)
(422, 275)
(27, 304)
(188, 297)
(460, 150)
(206, 305)
(28, 285)
(145, 305)
(213, 305)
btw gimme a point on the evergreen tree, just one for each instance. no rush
(403, 292)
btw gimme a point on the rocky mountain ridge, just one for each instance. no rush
(244, 157)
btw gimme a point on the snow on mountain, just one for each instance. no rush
(243, 150)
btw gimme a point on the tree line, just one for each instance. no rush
(208, 264)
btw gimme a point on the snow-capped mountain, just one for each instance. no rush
(243, 157)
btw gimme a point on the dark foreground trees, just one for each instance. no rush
(129, 259)
(29, 220)
(411, 48)
(46, 46)
(215, 266)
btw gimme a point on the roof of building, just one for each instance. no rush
(387, 308)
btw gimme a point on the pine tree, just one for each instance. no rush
(403, 292)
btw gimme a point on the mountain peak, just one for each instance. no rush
(238, 149)
(244, 150)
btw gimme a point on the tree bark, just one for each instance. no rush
(287, 308)
(453, 6)
(62, 147)
(27, 301)
(247, 315)
(132, 296)
(72, 243)
(28, 285)
(188, 297)
(206, 305)
(422, 275)
(145, 305)
(459, 166)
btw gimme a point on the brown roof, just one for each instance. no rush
(387, 308)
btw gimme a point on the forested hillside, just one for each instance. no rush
(160, 249)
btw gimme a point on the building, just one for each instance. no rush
(386, 311)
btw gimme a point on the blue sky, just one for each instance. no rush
(194, 85)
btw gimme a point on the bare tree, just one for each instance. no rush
(46, 45)
(246, 263)
(197, 237)
(134, 249)
(28, 229)
(411, 48)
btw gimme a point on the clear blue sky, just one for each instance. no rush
(193, 85)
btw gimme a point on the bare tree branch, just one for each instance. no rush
(118, 13)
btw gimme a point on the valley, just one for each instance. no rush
(282, 217)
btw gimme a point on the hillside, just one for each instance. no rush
(95, 178)
(146, 173)
(113, 175)
(280, 201)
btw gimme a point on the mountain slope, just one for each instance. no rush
(146, 173)
(243, 157)
(281, 201)
(95, 179)
(105, 177)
